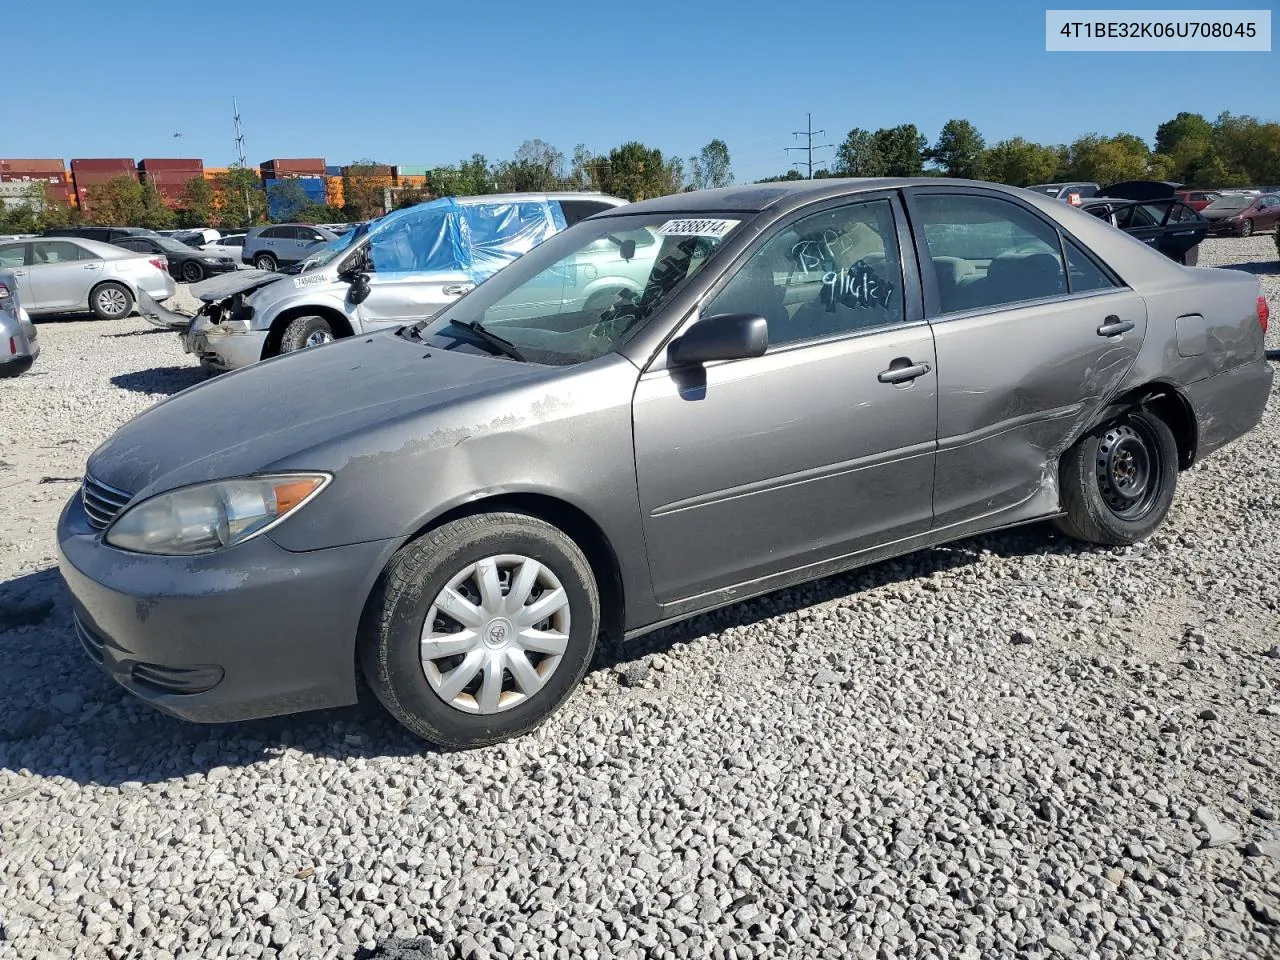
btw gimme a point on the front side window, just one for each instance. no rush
(12, 254)
(987, 252)
(586, 290)
(826, 274)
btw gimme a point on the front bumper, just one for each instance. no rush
(1229, 405)
(224, 346)
(252, 631)
(1224, 228)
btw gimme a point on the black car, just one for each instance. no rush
(1167, 224)
(101, 234)
(185, 263)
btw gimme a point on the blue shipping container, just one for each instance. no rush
(278, 204)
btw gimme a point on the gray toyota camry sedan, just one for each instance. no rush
(785, 381)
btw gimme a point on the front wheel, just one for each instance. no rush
(304, 332)
(1246, 228)
(192, 272)
(481, 629)
(1118, 481)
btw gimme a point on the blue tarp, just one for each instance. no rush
(477, 238)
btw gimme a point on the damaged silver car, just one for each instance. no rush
(401, 268)
(812, 376)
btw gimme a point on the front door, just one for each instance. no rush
(60, 279)
(823, 446)
(1032, 336)
(415, 270)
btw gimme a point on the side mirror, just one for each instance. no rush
(360, 289)
(729, 336)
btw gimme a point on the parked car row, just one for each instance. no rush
(68, 274)
(767, 384)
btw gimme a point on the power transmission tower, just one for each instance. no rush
(809, 134)
(248, 210)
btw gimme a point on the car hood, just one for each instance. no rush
(242, 281)
(257, 417)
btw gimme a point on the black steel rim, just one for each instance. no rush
(1129, 470)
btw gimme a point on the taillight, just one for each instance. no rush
(1264, 313)
(13, 345)
(160, 263)
(4, 292)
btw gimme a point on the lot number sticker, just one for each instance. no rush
(697, 228)
(310, 281)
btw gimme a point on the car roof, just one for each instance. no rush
(789, 194)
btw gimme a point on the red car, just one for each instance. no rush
(1197, 199)
(1243, 214)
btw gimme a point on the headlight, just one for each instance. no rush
(210, 516)
(211, 259)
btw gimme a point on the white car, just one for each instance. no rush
(229, 245)
(70, 274)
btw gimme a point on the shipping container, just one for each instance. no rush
(312, 187)
(31, 168)
(332, 170)
(374, 170)
(293, 167)
(213, 173)
(157, 165)
(411, 171)
(28, 176)
(114, 164)
(333, 189)
(411, 180)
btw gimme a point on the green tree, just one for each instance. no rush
(319, 213)
(286, 198)
(711, 167)
(156, 214)
(1107, 160)
(1019, 162)
(118, 202)
(958, 150)
(901, 148)
(783, 177)
(1183, 127)
(582, 170)
(1250, 150)
(470, 178)
(364, 188)
(634, 171)
(243, 200)
(195, 207)
(858, 155)
(537, 167)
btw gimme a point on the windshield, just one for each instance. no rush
(1229, 203)
(580, 294)
(334, 248)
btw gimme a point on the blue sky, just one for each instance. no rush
(428, 83)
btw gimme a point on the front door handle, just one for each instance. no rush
(456, 289)
(19, 273)
(903, 370)
(1113, 326)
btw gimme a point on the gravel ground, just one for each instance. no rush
(1011, 747)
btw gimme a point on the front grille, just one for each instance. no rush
(101, 502)
(91, 642)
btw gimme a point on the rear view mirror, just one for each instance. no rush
(729, 336)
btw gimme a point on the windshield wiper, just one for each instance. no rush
(501, 344)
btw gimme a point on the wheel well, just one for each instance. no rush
(271, 346)
(1170, 406)
(579, 527)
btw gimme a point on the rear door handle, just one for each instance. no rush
(903, 370)
(1113, 326)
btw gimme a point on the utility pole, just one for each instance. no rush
(809, 133)
(248, 210)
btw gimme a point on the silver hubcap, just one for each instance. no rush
(495, 634)
(112, 301)
(317, 338)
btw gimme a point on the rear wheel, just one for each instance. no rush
(1246, 228)
(481, 629)
(111, 301)
(264, 261)
(192, 272)
(1118, 481)
(303, 332)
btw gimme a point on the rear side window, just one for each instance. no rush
(1082, 273)
(84, 253)
(575, 210)
(272, 233)
(987, 252)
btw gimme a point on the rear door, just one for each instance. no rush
(1268, 213)
(60, 279)
(1033, 334)
(305, 238)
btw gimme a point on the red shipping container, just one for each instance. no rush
(30, 167)
(158, 165)
(112, 163)
(296, 166)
